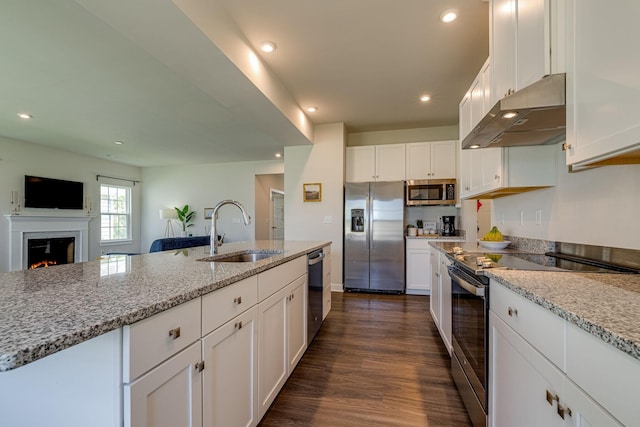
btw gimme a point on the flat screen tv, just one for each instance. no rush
(52, 193)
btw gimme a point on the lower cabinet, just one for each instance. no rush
(229, 380)
(418, 268)
(169, 395)
(521, 379)
(282, 339)
(527, 389)
(440, 304)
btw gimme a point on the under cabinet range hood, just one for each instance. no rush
(534, 115)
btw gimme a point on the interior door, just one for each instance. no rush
(276, 230)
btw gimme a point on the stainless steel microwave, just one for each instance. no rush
(431, 192)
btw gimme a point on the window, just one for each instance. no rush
(115, 213)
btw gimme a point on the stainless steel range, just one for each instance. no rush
(470, 310)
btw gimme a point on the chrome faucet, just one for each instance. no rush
(214, 242)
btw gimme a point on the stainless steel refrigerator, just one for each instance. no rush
(374, 236)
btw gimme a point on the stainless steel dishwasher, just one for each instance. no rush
(314, 277)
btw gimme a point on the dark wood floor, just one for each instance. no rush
(377, 361)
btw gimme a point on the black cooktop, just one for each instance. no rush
(534, 262)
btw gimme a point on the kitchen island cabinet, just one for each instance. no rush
(131, 373)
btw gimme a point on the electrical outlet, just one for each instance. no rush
(538, 216)
(521, 217)
(235, 220)
(501, 217)
(328, 219)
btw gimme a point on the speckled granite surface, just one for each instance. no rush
(49, 309)
(605, 305)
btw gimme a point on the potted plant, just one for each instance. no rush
(185, 216)
(420, 225)
(411, 230)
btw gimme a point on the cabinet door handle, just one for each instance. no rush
(512, 311)
(562, 411)
(551, 397)
(497, 176)
(238, 325)
(199, 366)
(175, 333)
(237, 300)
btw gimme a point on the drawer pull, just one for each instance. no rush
(562, 411)
(175, 333)
(551, 397)
(238, 325)
(512, 311)
(237, 300)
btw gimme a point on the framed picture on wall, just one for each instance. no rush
(312, 192)
(208, 212)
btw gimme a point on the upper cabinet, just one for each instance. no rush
(431, 160)
(375, 163)
(476, 102)
(603, 89)
(526, 43)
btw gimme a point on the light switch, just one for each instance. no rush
(328, 219)
(235, 220)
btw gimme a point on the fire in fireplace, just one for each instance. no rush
(50, 251)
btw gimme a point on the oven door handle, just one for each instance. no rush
(472, 289)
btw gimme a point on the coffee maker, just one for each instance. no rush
(449, 225)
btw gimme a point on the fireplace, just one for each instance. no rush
(50, 251)
(47, 233)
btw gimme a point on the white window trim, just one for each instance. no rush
(129, 238)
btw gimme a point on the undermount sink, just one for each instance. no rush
(251, 256)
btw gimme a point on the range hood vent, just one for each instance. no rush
(540, 117)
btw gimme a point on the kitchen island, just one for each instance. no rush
(84, 316)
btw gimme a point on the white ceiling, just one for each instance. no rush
(174, 91)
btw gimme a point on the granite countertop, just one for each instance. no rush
(605, 305)
(46, 310)
(436, 237)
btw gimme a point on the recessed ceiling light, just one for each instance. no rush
(312, 109)
(474, 146)
(25, 116)
(509, 115)
(267, 46)
(118, 142)
(278, 155)
(448, 16)
(425, 98)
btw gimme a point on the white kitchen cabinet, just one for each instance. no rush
(326, 282)
(476, 102)
(521, 378)
(229, 380)
(282, 338)
(497, 172)
(418, 267)
(434, 299)
(526, 43)
(534, 354)
(170, 395)
(431, 160)
(603, 93)
(375, 163)
(440, 301)
(445, 301)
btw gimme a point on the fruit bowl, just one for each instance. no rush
(491, 244)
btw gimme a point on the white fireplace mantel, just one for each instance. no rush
(22, 226)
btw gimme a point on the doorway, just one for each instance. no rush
(269, 188)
